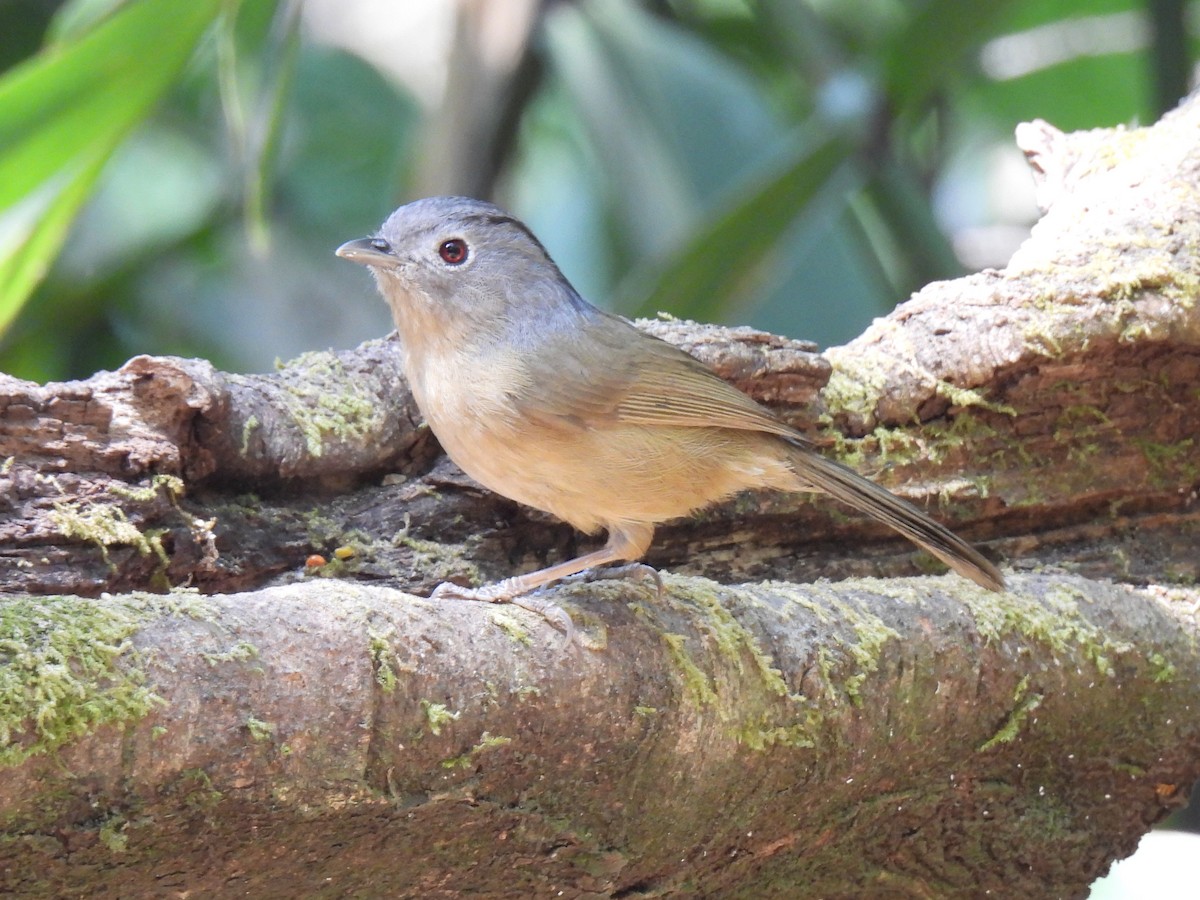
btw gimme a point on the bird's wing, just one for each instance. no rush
(613, 372)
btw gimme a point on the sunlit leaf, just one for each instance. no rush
(62, 114)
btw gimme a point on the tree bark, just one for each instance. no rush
(186, 706)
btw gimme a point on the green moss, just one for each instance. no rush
(105, 525)
(173, 485)
(1133, 771)
(645, 711)
(112, 833)
(490, 741)
(67, 666)
(892, 447)
(486, 742)
(457, 762)
(968, 397)
(1163, 670)
(748, 692)
(732, 638)
(248, 429)
(381, 653)
(1026, 703)
(1170, 464)
(321, 529)
(242, 651)
(760, 733)
(1057, 622)
(325, 403)
(853, 392)
(197, 789)
(260, 730)
(871, 634)
(440, 561)
(1185, 290)
(802, 599)
(438, 716)
(950, 438)
(827, 665)
(511, 627)
(1038, 338)
(1174, 574)
(696, 685)
(186, 602)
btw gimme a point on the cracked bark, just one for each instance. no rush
(274, 731)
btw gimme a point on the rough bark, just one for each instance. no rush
(325, 733)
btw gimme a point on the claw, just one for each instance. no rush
(637, 571)
(551, 612)
(640, 572)
(515, 591)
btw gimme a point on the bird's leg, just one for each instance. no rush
(626, 542)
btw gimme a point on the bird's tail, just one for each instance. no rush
(852, 489)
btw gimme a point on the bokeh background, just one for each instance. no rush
(175, 174)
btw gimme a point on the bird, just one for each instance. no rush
(561, 406)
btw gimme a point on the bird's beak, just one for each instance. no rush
(361, 251)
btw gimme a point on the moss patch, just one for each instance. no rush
(733, 640)
(380, 645)
(260, 730)
(1026, 703)
(172, 484)
(487, 741)
(1170, 464)
(441, 562)
(438, 716)
(511, 627)
(1056, 622)
(871, 635)
(66, 666)
(326, 403)
(105, 525)
(746, 691)
(696, 685)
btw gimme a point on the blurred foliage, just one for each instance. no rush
(174, 177)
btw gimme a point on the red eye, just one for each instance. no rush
(453, 251)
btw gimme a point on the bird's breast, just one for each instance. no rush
(469, 401)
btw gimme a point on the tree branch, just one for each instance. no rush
(866, 738)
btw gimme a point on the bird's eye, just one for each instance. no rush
(453, 251)
(381, 245)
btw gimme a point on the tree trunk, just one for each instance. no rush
(186, 706)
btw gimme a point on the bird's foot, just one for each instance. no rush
(502, 592)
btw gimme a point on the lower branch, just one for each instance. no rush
(328, 736)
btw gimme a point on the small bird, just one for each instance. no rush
(549, 401)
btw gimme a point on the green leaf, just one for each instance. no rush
(62, 114)
(672, 123)
(725, 256)
(919, 57)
